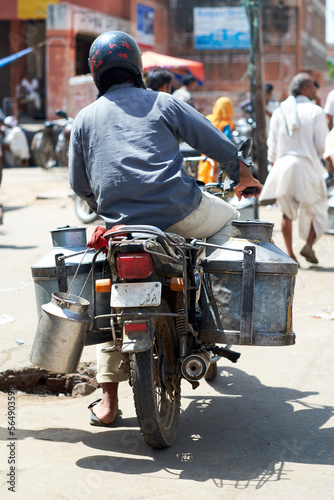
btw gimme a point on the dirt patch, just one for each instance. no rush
(37, 381)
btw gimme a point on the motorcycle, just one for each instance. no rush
(172, 311)
(50, 145)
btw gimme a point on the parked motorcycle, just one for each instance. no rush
(50, 145)
(172, 311)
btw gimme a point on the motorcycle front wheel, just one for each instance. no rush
(156, 385)
(43, 151)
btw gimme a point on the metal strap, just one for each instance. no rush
(61, 272)
(247, 296)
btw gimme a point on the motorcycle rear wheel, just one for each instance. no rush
(156, 385)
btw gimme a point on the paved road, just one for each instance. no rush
(263, 429)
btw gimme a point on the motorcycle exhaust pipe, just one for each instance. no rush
(195, 366)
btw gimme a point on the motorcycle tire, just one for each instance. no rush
(212, 372)
(62, 150)
(42, 151)
(156, 385)
(83, 211)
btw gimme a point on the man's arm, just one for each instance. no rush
(320, 132)
(330, 164)
(77, 173)
(329, 119)
(272, 137)
(246, 180)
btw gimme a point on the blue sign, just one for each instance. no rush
(145, 25)
(222, 28)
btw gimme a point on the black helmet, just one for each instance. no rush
(115, 49)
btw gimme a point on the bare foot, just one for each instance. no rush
(106, 409)
(104, 412)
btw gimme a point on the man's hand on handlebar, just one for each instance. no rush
(247, 181)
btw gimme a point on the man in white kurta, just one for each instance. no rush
(296, 142)
(15, 141)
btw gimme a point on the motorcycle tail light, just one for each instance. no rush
(135, 327)
(134, 266)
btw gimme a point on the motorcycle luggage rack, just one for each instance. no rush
(100, 335)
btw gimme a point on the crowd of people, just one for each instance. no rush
(300, 149)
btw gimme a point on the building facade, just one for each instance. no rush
(293, 33)
(61, 33)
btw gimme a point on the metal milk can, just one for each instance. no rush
(253, 288)
(61, 333)
(52, 274)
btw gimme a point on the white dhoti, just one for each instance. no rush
(298, 186)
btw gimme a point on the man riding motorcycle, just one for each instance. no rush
(124, 160)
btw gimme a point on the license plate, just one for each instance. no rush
(136, 294)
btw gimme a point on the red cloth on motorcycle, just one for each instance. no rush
(97, 240)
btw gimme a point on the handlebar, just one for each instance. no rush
(249, 190)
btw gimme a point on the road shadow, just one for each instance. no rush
(12, 208)
(244, 434)
(17, 247)
(320, 269)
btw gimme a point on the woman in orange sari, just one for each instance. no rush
(221, 117)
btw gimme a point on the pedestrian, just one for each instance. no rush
(159, 80)
(15, 141)
(329, 109)
(184, 93)
(296, 142)
(29, 91)
(222, 118)
(129, 169)
(271, 104)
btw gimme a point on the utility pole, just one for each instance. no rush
(253, 8)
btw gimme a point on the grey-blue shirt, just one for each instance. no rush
(124, 157)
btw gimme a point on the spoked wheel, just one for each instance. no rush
(43, 151)
(62, 150)
(157, 385)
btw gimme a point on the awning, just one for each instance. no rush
(153, 60)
